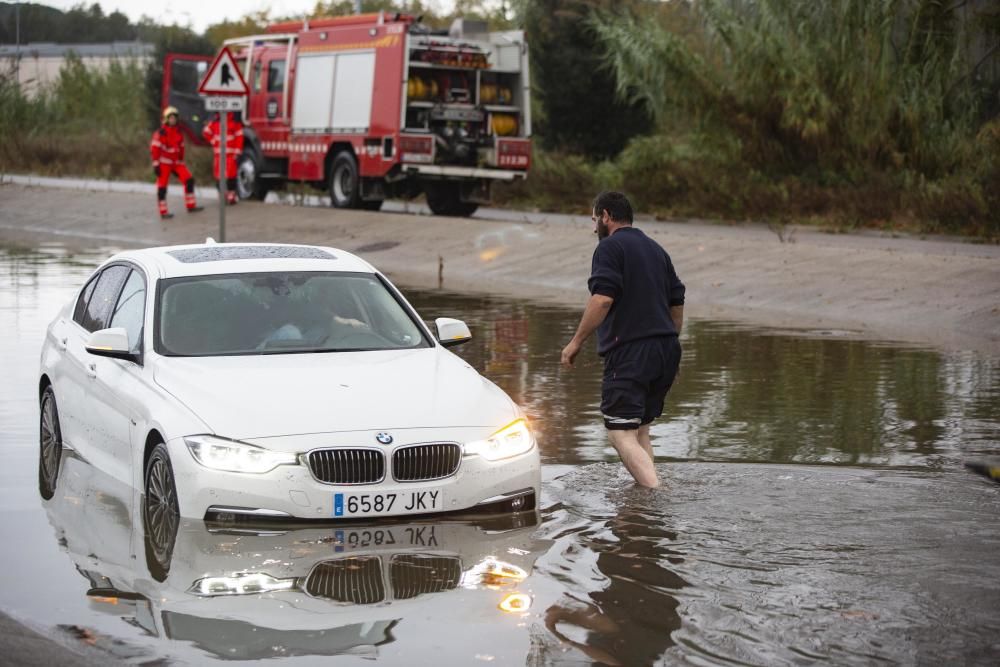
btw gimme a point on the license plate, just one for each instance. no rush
(386, 504)
(374, 538)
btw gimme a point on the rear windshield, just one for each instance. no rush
(281, 313)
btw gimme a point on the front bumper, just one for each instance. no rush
(447, 171)
(292, 491)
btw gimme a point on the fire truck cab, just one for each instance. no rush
(373, 106)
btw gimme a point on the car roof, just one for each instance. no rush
(223, 258)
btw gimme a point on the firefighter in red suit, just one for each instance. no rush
(234, 146)
(167, 151)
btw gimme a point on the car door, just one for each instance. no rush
(117, 383)
(88, 434)
(69, 377)
(181, 75)
(277, 123)
(271, 124)
(256, 113)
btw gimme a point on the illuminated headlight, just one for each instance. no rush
(249, 583)
(232, 456)
(511, 440)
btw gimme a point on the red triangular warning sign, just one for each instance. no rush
(224, 77)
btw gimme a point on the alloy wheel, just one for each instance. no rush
(246, 177)
(161, 516)
(50, 446)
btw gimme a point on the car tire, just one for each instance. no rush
(160, 513)
(50, 445)
(444, 198)
(344, 183)
(249, 184)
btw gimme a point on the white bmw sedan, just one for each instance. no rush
(274, 381)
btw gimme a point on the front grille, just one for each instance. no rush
(347, 466)
(413, 575)
(423, 462)
(357, 580)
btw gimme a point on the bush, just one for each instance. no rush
(868, 113)
(87, 123)
(559, 182)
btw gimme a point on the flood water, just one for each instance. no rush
(815, 509)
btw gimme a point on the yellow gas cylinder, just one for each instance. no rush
(416, 89)
(504, 124)
(488, 93)
(504, 95)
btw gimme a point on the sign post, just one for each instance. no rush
(225, 90)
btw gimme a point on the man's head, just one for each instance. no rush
(611, 210)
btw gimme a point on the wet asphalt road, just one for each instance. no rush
(815, 511)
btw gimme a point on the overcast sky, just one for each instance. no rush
(200, 14)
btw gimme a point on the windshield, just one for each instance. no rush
(280, 313)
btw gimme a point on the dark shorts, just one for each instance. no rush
(637, 377)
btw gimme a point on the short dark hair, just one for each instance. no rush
(616, 204)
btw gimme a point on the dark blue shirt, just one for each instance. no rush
(637, 273)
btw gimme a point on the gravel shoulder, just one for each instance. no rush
(941, 293)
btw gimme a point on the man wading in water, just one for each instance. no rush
(637, 308)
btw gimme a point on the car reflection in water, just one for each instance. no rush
(245, 592)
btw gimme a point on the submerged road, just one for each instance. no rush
(815, 509)
(939, 292)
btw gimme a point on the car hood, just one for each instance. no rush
(244, 397)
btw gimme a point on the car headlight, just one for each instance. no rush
(231, 456)
(513, 439)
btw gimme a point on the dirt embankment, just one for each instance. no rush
(936, 292)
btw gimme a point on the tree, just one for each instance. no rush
(168, 39)
(251, 24)
(574, 87)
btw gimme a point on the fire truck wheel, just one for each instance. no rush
(443, 198)
(345, 186)
(249, 184)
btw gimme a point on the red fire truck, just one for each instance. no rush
(373, 106)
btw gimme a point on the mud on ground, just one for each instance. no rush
(937, 292)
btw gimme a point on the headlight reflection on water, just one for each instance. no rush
(248, 583)
(493, 573)
(515, 603)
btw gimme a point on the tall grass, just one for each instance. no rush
(864, 110)
(88, 122)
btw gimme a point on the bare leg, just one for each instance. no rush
(645, 441)
(635, 458)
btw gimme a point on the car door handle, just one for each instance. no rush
(92, 370)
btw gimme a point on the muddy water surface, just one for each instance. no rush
(815, 510)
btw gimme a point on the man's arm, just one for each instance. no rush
(677, 315)
(597, 309)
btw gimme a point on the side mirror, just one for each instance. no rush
(111, 343)
(452, 332)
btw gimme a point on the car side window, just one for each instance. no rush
(81, 303)
(257, 69)
(98, 310)
(130, 309)
(276, 76)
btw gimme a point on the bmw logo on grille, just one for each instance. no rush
(384, 438)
